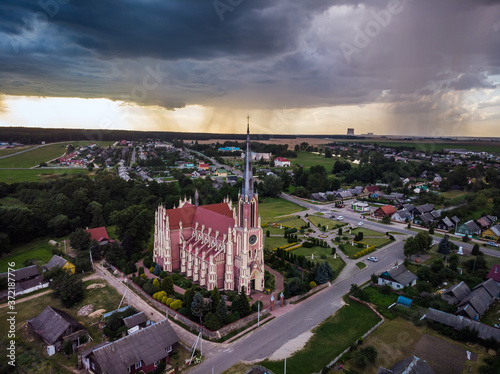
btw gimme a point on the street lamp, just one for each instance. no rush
(258, 311)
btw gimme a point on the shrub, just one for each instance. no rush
(152, 269)
(163, 274)
(164, 299)
(312, 284)
(144, 276)
(168, 301)
(141, 270)
(176, 304)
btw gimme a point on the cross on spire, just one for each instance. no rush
(248, 124)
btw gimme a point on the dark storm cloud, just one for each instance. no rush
(262, 54)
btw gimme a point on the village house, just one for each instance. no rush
(26, 280)
(401, 215)
(282, 162)
(446, 224)
(384, 211)
(58, 261)
(411, 365)
(136, 322)
(55, 326)
(469, 228)
(493, 233)
(494, 274)
(100, 235)
(358, 206)
(142, 351)
(371, 189)
(397, 278)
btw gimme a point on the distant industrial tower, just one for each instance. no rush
(350, 131)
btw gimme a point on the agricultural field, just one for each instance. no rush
(330, 338)
(37, 175)
(42, 154)
(9, 151)
(270, 209)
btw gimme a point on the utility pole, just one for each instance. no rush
(285, 360)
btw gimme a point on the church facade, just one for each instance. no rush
(216, 245)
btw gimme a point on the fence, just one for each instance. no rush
(193, 326)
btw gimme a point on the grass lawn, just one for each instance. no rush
(453, 194)
(335, 263)
(377, 242)
(366, 232)
(295, 222)
(37, 250)
(360, 265)
(351, 250)
(379, 299)
(274, 242)
(36, 175)
(332, 225)
(269, 209)
(330, 338)
(311, 159)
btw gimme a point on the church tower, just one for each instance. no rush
(249, 256)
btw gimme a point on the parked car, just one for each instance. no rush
(362, 217)
(332, 216)
(374, 259)
(493, 244)
(340, 218)
(360, 223)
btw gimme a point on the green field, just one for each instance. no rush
(330, 338)
(315, 220)
(36, 175)
(360, 265)
(311, 159)
(42, 154)
(296, 222)
(377, 242)
(38, 249)
(9, 151)
(366, 232)
(274, 242)
(351, 250)
(335, 263)
(269, 209)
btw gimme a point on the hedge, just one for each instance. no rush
(288, 246)
(365, 251)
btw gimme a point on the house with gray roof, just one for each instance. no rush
(55, 326)
(445, 224)
(475, 303)
(26, 280)
(469, 228)
(142, 351)
(397, 278)
(460, 322)
(402, 215)
(456, 293)
(137, 320)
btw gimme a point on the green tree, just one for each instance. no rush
(475, 250)
(80, 239)
(67, 287)
(222, 309)
(114, 254)
(444, 246)
(321, 274)
(328, 152)
(244, 307)
(167, 285)
(198, 306)
(272, 186)
(212, 321)
(386, 220)
(216, 298)
(410, 247)
(188, 300)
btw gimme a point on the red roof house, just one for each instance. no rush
(371, 189)
(100, 235)
(281, 161)
(383, 211)
(494, 274)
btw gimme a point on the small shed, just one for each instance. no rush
(404, 301)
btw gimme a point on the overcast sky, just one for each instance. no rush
(421, 67)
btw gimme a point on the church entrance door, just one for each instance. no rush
(252, 284)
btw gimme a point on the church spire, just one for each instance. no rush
(247, 173)
(196, 197)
